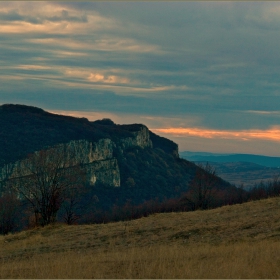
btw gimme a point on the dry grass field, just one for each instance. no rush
(239, 241)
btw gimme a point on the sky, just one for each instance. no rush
(203, 74)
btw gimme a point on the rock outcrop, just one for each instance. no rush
(140, 138)
(97, 157)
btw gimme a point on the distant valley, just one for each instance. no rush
(99, 171)
(246, 169)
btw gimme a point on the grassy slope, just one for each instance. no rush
(239, 241)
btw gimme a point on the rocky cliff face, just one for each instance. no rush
(140, 138)
(96, 157)
(106, 172)
(87, 152)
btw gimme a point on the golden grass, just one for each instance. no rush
(239, 241)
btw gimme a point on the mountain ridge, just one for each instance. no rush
(143, 167)
(26, 129)
(263, 160)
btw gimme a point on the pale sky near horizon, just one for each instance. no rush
(203, 74)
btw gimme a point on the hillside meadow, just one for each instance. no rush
(239, 241)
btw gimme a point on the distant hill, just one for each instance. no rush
(212, 157)
(246, 169)
(245, 173)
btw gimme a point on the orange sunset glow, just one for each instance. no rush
(272, 134)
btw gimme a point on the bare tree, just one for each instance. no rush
(72, 204)
(202, 187)
(45, 178)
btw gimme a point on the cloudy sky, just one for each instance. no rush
(204, 74)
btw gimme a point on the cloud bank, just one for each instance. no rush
(205, 69)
